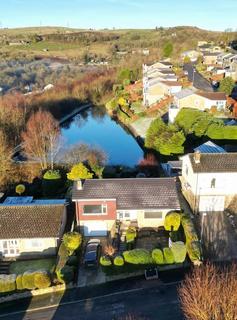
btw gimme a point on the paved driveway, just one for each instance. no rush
(218, 237)
(199, 81)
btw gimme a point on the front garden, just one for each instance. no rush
(174, 246)
(44, 273)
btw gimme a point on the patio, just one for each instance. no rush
(150, 239)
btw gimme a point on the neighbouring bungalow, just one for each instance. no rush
(31, 228)
(200, 100)
(141, 202)
(209, 180)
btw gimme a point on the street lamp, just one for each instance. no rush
(202, 224)
(194, 71)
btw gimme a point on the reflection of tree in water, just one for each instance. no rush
(98, 113)
(81, 119)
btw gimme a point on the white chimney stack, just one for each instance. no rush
(197, 157)
(79, 185)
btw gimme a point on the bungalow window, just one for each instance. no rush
(10, 247)
(36, 243)
(153, 215)
(95, 209)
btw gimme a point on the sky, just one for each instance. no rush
(98, 14)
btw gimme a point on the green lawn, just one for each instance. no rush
(19, 267)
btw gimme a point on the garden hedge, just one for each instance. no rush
(172, 221)
(137, 256)
(168, 256)
(51, 182)
(66, 274)
(28, 280)
(189, 229)
(19, 284)
(131, 234)
(7, 283)
(194, 250)
(72, 241)
(179, 251)
(119, 261)
(157, 256)
(42, 280)
(105, 261)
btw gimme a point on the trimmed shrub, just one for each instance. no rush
(28, 280)
(172, 221)
(131, 234)
(138, 256)
(72, 241)
(52, 175)
(189, 229)
(19, 284)
(179, 251)
(157, 256)
(42, 280)
(73, 261)
(119, 261)
(66, 274)
(105, 261)
(7, 283)
(194, 250)
(51, 182)
(168, 256)
(20, 188)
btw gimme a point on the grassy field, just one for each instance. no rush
(19, 267)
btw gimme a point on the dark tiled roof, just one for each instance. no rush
(215, 162)
(143, 193)
(30, 221)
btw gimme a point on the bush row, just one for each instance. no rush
(28, 280)
(192, 243)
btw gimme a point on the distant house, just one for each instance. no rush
(139, 201)
(172, 168)
(211, 58)
(209, 180)
(193, 55)
(31, 228)
(209, 147)
(157, 89)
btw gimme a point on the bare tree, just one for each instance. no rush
(41, 140)
(5, 159)
(210, 293)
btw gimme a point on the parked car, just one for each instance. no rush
(92, 253)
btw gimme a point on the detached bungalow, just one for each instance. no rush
(143, 202)
(210, 58)
(31, 228)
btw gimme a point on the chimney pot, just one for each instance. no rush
(197, 157)
(79, 185)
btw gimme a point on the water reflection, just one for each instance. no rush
(93, 126)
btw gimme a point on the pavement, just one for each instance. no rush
(218, 237)
(146, 301)
(199, 82)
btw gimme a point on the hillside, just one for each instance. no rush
(103, 44)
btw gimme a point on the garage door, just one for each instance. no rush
(211, 203)
(92, 229)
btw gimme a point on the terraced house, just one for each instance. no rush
(140, 202)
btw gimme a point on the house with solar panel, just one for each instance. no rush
(31, 228)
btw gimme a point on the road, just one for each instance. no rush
(139, 298)
(199, 82)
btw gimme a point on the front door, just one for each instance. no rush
(9, 248)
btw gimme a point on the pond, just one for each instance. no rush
(95, 127)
